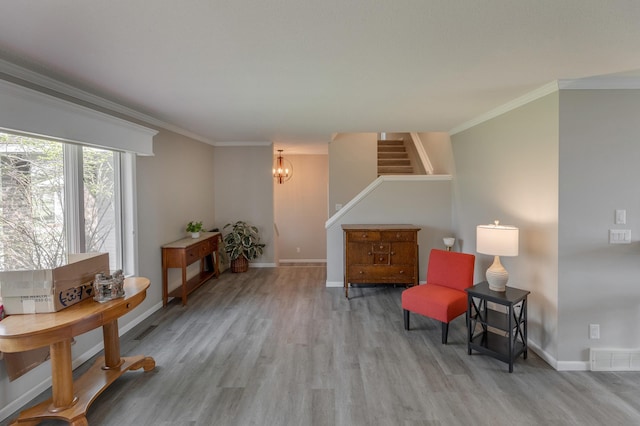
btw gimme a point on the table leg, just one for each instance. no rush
(165, 284)
(184, 285)
(111, 345)
(216, 262)
(61, 376)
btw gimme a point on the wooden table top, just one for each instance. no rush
(189, 241)
(30, 331)
(379, 227)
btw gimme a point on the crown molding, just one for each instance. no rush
(49, 83)
(247, 143)
(600, 83)
(518, 102)
(589, 83)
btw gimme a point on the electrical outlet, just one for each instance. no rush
(297, 249)
(619, 236)
(594, 331)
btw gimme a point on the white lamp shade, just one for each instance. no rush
(497, 240)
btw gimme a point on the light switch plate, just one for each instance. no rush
(621, 217)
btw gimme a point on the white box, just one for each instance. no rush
(51, 290)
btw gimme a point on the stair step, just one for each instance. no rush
(393, 158)
(390, 142)
(382, 162)
(391, 148)
(395, 170)
(394, 155)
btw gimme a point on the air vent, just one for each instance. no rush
(614, 359)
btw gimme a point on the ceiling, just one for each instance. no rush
(295, 72)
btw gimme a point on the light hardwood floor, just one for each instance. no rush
(275, 347)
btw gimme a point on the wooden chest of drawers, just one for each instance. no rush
(380, 254)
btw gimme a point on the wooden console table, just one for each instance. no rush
(184, 252)
(70, 401)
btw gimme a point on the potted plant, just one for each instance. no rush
(194, 228)
(242, 244)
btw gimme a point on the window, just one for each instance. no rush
(58, 198)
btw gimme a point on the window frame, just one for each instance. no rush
(124, 198)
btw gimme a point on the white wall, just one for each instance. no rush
(507, 169)
(301, 209)
(599, 283)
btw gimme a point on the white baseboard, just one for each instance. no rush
(16, 404)
(558, 365)
(573, 366)
(335, 284)
(262, 265)
(303, 261)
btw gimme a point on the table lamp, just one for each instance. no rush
(497, 240)
(449, 242)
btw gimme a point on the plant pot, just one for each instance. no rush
(195, 235)
(240, 264)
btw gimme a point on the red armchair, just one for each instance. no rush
(442, 297)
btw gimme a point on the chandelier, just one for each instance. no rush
(282, 169)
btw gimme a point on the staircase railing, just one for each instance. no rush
(422, 153)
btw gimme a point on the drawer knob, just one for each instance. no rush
(393, 252)
(380, 258)
(369, 253)
(364, 235)
(402, 272)
(361, 272)
(381, 246)
(398, 235)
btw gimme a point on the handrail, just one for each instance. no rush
(373, 185)
(422, 153)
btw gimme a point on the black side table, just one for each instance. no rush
(502, 335)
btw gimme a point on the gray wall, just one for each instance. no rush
(173, 187)
(438, 148)
(243, 187)
(424, 201)
(353, 164)
(558, 168)
(599, 283)
(507, 169)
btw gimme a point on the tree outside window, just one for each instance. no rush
(32, 203)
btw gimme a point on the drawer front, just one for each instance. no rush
(403, 252)
(358, 253)
(381, 247)
(380, 258)
(204, 248)
(363, 235)
(192, 254)
(401, 274)
(398, 235)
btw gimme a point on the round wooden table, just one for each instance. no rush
(70, 400)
